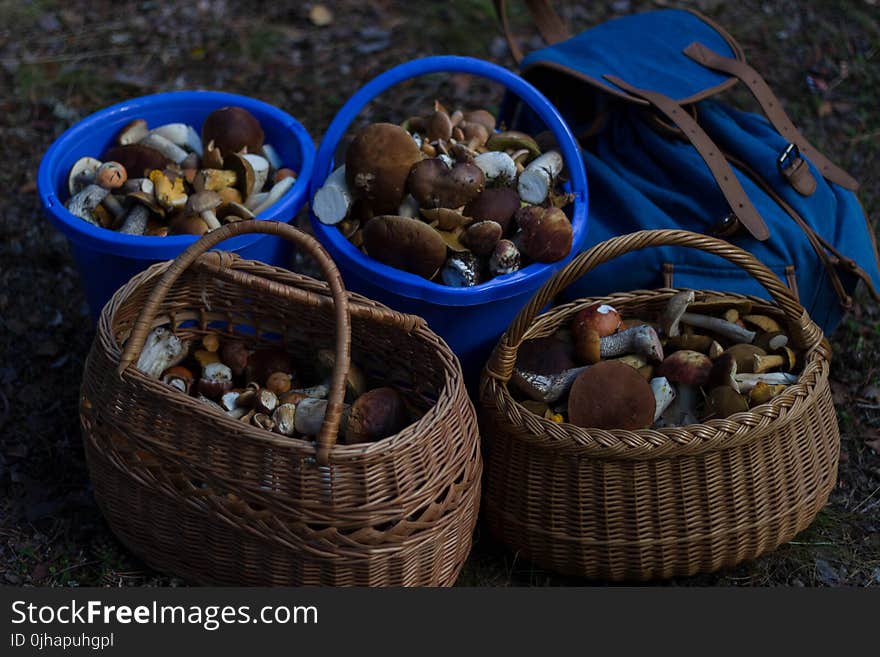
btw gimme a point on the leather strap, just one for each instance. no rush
(772, 109)
(551, 26)
(734, 193)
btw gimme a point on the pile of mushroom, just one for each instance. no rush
(448, 198)
(162, 181)
(264, 388)
(697, 361)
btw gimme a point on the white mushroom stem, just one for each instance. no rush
(180, 134)
(278, 190)
(642, 340)
(84, 203)
(310, 416)
(271, 154)
(720, 326)
(135, 222)
(168, 148)
(545, 387)
(497, 166)
(748, 381)
(261, 170)
(535, 182)
(210, 218)
(254, 200)
(318, 392)
(409, 207)
(664, 394)
(161, 350)
(687, 404)
(675, 308)
(446, 159)
(333, 201)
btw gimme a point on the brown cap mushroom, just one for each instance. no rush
(496, 204)
(547, 355)
(137, 159)
(406, 244)
(482, 236)
(375, 415)
(546, 233)
(203, 204)
(725, 401)
(599, 317)
(744, 355)
(435, 185)
(611, 395)
(377, 164)
(687, 369)
(233, 129)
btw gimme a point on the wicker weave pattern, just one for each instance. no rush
(217, 501)
(636, 505)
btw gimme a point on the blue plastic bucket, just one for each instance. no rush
(470, 319)
(107, 259)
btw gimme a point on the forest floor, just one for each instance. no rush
(61, 61)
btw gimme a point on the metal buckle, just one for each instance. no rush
(791, 152)
(726, 227)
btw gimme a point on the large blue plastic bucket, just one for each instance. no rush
(470, 319)
(107, 259)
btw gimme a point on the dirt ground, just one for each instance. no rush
(60, 61)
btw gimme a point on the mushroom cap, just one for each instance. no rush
(111, 175)
(245, 177)
(202, 201)
(446, 218)
(233, 129)
(687, 367)
(235, 354)
(137, 159)
(483, 117)
(147, 200)
(675, 308)
(497, 204)
(439, 126)
(187, 224)
(548, 355)
(546, 233)
(377, 164)
(505, 258)
(265, 362)
(82, 173)
(482, 237)
(404, 243)
(611, 395)
(375, 415)
(599, 317)
(723, 372)
(513, 140)
(724, 401)
(744, 354)
(435, 185)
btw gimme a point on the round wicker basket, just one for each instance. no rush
(636, 505)
(216, 501)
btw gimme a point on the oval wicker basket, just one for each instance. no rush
(636, 505)
(215, 501)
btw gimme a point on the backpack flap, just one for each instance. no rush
(646, 50)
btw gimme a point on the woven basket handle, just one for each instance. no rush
(806, 333)
(327, 435)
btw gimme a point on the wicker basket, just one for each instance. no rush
(636, 505)
(196, 493)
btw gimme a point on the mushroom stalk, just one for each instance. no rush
(84, 203)
(161, 350)
(278, 190)
(497, 166)
(687, 404)
(536, 180)
(675, 308)
(721, 327)
(135, 221)
(748, 381)
(310, 414)
(180, 134)
(168, 148)
(642, 340)
(333, 201)
(664, 394)
(546, 388)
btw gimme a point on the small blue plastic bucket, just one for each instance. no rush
(107, 259)
(470, 319)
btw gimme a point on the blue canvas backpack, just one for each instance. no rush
(661, 151)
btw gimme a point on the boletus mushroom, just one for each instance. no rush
(611, 395)
(406, 244)
(435, 185)
(233, 129)
(375, 415)
(546, 233)
(377, 165)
